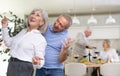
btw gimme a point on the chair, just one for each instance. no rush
(75, 69)
(110, 69)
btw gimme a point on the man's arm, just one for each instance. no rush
(64, 51)
(81, 40)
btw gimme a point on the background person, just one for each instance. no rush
(108, 53)
(82, 43)
(28, 46)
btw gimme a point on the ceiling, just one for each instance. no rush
(56, 7)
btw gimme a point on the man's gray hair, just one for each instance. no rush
(88, 29)
(68, 18)
(44, 15)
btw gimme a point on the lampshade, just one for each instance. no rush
(75, 20)
(110, 20)
(92, 20)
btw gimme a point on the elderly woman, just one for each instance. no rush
(27, 47)
(108, 54)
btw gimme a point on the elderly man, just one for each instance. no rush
(58, 42)
(81, 43)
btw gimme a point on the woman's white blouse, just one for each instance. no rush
(111, 54)
(25, 45)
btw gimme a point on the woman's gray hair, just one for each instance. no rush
(44, 15)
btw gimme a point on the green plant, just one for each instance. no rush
(19, 23)
(5, 57)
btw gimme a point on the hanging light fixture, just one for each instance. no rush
(75, 20)
(110, 20)
(92, 19)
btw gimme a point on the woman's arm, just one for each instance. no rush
(115, 56)
(7, 39)
(39, 52)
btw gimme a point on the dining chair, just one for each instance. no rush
(110, 69)
(75, 69)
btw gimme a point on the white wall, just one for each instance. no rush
(98, 32)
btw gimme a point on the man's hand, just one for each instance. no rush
(91, 47)
(36, 60)
(67, 43)
(64, 50)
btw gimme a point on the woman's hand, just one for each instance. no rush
(36, 60)
(4, 22)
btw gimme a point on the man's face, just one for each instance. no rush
(60, 24)
(88, 33)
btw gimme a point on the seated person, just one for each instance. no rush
(108, 54)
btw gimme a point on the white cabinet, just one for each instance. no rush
(99, 32)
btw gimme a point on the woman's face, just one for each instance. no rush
(35, 19)
(105, 45)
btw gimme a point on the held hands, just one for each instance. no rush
(36, 60)
(4, 22)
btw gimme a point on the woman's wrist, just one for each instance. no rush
(4, 26)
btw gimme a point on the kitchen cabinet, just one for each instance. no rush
(99, 32)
